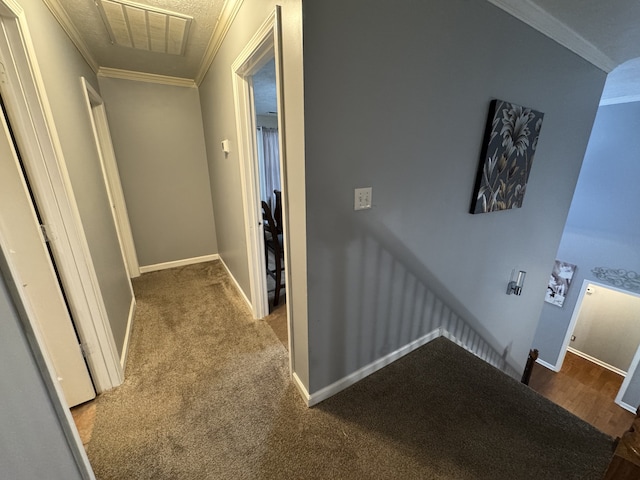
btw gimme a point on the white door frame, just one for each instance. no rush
(104, 147)
(625, 383)
(572, 325)
(26, 249)
(257, 52)
(264, 45)
(28, 106)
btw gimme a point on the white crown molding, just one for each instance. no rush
(225, 20)
(145, 77)
(541, 20)
(10, 8)
(63, 19)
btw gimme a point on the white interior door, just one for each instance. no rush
(22, 238)
(102, 136)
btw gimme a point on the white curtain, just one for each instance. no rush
(269, 161)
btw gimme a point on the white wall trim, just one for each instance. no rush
(45, 364)
(127, 335)
(576, 314)
(109, 167)
(252, 57)
(572, 325)
(351, 379)
(301, 388)
(235, 282)
(536, 17)
(627, 380)
(179, 263)
(626, 406)
(38, 123)
(65, 22)
(145, 77)
(597, 362)
(37, 137)
(553, 368)
(229, 11)
(367, 370)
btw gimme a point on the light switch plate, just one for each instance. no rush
(362, 198)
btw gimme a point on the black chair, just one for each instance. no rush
(277, 210)
(273, 244)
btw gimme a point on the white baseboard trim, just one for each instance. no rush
(597, 362)
(553, 368)
(301, 388)
(127, 336)
(326, 392)
(179, 263)
(626, 406)
(235, 282)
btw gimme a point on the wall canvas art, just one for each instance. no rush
(559, 282)
(510, 141)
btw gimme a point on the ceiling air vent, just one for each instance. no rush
(145, 28)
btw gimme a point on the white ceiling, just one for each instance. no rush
(607, 33)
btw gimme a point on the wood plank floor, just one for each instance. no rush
(587, 390)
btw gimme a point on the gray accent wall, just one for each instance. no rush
(396, 98)
(159, 144)
(33, 443)
(62, 67)
(602, 229)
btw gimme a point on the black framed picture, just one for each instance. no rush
(510, 141)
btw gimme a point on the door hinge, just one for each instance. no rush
(83, 350)
(47, 233)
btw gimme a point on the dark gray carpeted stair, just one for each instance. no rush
(207, 396)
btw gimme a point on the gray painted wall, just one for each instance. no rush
(396, 97)
(159, 144)
(600, 231)
(62, 66)
(32, 444)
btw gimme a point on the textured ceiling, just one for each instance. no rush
(611, 27)
(85, 17)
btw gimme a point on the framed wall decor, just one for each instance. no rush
(559, 282)
(510, 141)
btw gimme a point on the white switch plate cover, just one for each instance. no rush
(362, 198)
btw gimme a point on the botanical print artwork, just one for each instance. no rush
(511, 138)
(559, 282)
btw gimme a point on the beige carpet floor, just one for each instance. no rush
(207, 395)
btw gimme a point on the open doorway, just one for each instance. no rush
(265, 102)
(262, 51)
(270, 182)
(604, 329)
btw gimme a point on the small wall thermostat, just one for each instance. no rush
(225, 146)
